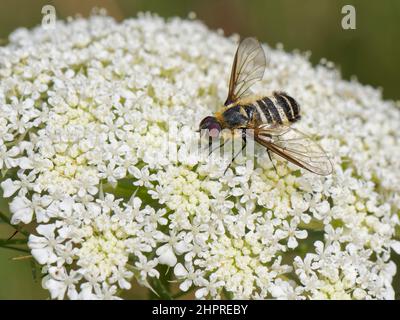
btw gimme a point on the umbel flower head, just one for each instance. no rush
(87, 110)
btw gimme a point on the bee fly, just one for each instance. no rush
(269, 117)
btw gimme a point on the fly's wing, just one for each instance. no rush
(296, 147)
(248, 68)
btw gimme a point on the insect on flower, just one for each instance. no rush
(270, 118)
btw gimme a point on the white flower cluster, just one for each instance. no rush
(86, 110)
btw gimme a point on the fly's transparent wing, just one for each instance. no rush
(248, 68)
(296, 147)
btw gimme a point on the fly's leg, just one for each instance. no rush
(270, 158)
(210, 145)
(241, 150)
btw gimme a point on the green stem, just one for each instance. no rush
(15, 248)
(160, 288)
(126, 183)
(12, 241)
(16, 142)
(228, 295)
(120, 190)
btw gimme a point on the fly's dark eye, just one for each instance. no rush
(212, 125)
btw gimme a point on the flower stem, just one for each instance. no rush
(14, 248)
(161, 289)
(124, 191)
(12, 241)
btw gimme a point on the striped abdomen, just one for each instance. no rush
(277, 109)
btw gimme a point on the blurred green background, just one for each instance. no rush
(371, 52)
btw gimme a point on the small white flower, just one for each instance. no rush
(209, 287)
(22, 210)
(147, 267)
(9, 187)
(143, 176)
(43, 248)
(60, 283)
(112, 173)
(7, 157)
(290, 231)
